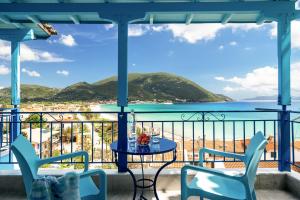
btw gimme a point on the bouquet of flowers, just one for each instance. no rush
(143, 139)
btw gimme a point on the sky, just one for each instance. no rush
(238, 60)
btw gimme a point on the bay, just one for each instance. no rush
(186, 119)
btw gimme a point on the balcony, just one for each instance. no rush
(56, 133)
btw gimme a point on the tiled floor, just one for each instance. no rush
(175, 195)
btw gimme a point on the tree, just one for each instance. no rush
(35, 120)
(89, 116)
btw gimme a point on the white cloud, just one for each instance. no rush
(295, 33)
(157, 28)
(220, 78)
(31, 73)
(137, 30)
(4, 70)
(221, 47)
(63, 72)
(261, 81)
(194, 33)
(233, 43)
(109, 26)
(67, 40)
(247, 48)
(30, 54)
(229, 89)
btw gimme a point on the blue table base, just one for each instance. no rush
(143, 179)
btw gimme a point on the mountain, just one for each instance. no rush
(269, 98)
(262, 98)
(30, 93)
(144, 87)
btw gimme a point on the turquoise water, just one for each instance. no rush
(223, 106)
(230, 130)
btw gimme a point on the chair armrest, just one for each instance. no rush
(219, 153)
(209, 171)
(67, 156)
(102, 177)
(93, 172)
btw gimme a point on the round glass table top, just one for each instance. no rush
(164, 146)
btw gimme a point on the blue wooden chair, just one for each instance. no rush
(29, 163)
(215, 184)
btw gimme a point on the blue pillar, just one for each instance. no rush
(284, 56)
(122, 63)
(15, 89)
(1, 130)
(284, 91)
(122, 140)
(122, 20)
(122, 90)
(15, 73)
(284, 152)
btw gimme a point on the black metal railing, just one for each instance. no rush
(295, 139)
(56, 133)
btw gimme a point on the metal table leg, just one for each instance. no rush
(159, 170)
(143, 179)
(131, 174)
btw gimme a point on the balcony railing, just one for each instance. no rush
(55, 133)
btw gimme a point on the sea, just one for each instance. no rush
(188, 122)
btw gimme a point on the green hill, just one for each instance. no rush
(30, 93)
(144, 87)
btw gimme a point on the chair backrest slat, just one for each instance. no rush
(253, 155)
(27, 159)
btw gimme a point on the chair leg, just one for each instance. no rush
(253, 195)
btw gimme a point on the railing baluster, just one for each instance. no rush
(214, 139)
(203, 131)
(102, 131)
(193, 131)
(275, 149)
(162, 130)
(233, 131)
(112, 139)
(82, 130)
(293, 144)
(72, 139)
(41, 134)
(183, 158)
(224, 147)
(244, 136)
(254, 127)
(92, 142)
(51, 139)
(173, 133)
(30, 132)
(61, 139)
(265, 151)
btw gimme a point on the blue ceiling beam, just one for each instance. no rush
(34, 19)
(261, 19)
(75, 19)
(151, 19)
(270, 7)
(6, 20)
(189, 19)
(226, 18)
(17, 34)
